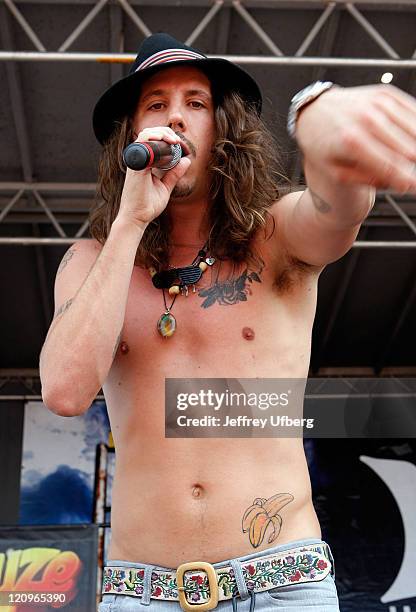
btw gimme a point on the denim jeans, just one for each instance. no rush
(319, 596)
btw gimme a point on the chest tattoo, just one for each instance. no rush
(231, 291)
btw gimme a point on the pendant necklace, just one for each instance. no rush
(177, 280)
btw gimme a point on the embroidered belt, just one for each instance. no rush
(200, 585)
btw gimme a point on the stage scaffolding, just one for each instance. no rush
(58, 207)
(14, 195)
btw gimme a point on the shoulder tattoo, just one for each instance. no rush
(68, 255)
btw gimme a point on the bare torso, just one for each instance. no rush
(175, 499)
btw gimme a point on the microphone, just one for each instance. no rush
(152, 154)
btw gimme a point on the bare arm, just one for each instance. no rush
(353, 140)
(91, 292)
(81, 343)
(316, 231)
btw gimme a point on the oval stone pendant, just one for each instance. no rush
(166, 324)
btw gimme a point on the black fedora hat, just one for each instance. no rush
(162, 51)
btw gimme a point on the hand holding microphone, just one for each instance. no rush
(152, 154)
(144, 195)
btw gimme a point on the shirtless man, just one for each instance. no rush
(188, 500)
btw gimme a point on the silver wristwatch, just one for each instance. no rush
(303, 97)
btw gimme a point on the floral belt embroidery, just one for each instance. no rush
(297, 565)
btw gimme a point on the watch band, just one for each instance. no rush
(303, 97)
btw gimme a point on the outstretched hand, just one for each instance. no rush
(362, 135)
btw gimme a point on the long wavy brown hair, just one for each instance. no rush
(246, 178)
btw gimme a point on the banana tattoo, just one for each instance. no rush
(261, 514)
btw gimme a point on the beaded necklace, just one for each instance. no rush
(168, 279)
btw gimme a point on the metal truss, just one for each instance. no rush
(277, 57)
(51, 215)
(39, 191)
(36, 193)
(25, 385)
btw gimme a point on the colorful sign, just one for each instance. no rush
(43, 569)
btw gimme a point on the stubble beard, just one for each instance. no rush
(182, 190)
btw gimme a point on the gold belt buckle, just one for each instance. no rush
(212, 581)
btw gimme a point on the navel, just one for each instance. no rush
(197, 490)
(124, 348)
(248, 333)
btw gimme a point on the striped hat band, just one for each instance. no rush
(170, 55)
